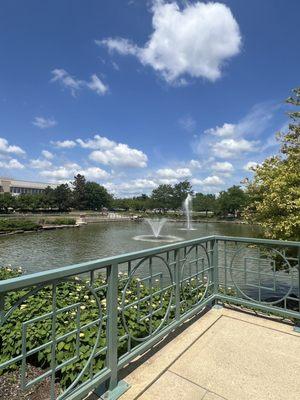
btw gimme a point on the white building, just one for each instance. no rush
(16, 187)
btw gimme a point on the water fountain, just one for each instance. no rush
(187, 206)
(156, 227)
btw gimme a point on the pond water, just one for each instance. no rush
(38, 251)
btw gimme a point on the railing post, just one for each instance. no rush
(177, 284)
(114, 389)
(215, 261)
(297, 324)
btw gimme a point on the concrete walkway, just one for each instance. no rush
(225, 354)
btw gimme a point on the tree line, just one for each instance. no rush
(81, 195)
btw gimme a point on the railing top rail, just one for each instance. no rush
(64, 272)
(258, 241)
(8, 285)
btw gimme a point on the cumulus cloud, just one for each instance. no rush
(40, 164)
(224, 130)
(193, 41)
(133, 187)
(44, 123)
(98, 142)
(178, 173)
(213, 180)
(74, 85)
(94, 173)
(233, 148)
(7, 148)
(223, 167)
(109, 152)
(47, 154)
(64, 144)
(11, 164)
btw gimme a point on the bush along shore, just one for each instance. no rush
(10, 226)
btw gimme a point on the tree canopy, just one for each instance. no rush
(275, 189)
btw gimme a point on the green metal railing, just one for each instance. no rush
(84, 322)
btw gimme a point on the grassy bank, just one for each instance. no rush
(11, 225)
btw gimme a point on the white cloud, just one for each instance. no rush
(57, 174)
(194, 41)
(5, 147)
(11, 164)
(178, 173)
(94, 173)
(44, 123)
(40, 164)
(47, 154)
(250, 166)
(131, 188)
(212, 181)
(97, 85)
(224, 130)
(233, 148)
(74, 85)
(194, 164)
(109, 152)
(98, 142)
(64, 144)
(223, 167)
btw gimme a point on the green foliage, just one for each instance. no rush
(231, 201)
(79, 192)
(275, 189)
(73, 292)
(170, 197)
(204, 202)
(9, 225)
(7, 201)
(97, 196)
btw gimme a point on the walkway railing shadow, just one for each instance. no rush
(82, 323)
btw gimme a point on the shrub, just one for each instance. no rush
(10, 225)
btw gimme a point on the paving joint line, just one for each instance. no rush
(176, 358)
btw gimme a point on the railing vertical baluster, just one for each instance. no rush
(215, 260)
(114, 388)
(177, 283)
(112, 324)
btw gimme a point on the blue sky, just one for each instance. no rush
(138, 93)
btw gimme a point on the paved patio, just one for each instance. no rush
(225, 354)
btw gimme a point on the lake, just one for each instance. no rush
(39, 251)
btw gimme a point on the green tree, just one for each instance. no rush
(96, 196)
(63, 197)
(181, 190)
(163, 196)
(204, 202)
(275, 189)
(79, 192)
(231, 201)
(7, 201)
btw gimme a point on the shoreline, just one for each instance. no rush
(55, 227)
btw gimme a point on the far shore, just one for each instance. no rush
(101, 219)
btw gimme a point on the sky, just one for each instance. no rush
(133, 94)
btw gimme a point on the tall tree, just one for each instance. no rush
(204, 202)
(63, 197)
(181, 190)
(231, 201)
(275, 188)
(96, 196)
(163, 196)
(79, 192)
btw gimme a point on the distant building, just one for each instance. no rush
(16, 187)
